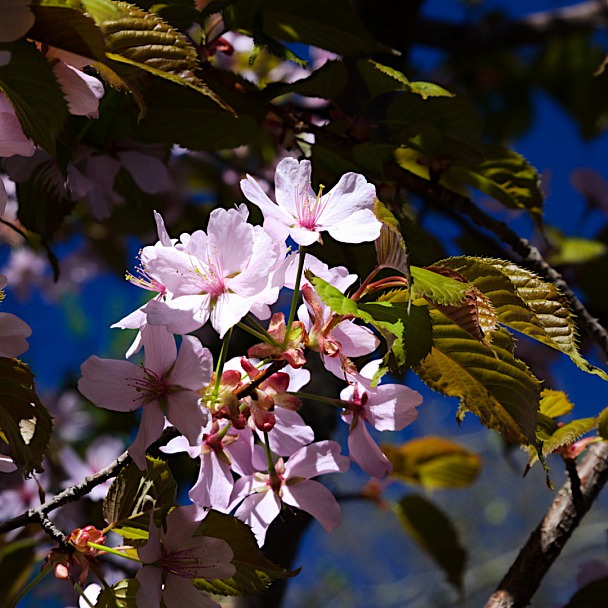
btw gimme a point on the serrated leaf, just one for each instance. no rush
(24, 421)
(592, 595)
(602, 424)
(31, 87)
(254, 571)
(121, 595)
(433, 531)
(526, 303)
(63, 24)
(134, 493)
(555, 403)
(490, 382)
(380, 78)
(429, 89)
(142, 39)
(568, 434)
(433, 462)
(391, 251)
(437, 288)
(505, 176)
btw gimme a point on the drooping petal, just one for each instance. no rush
(194, 365)
(160, 349)
(213, 487)
(360, 227)
(314, 498)
(290, 433)
(228, 310)
(179, 592)
(112, 384)
(150, 587)
(82, 92)
(366, 453)
(316, 459)
(186, 414)
(391, 407)
(150, 429)
(258, 511)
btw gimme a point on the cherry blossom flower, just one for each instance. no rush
(387, 407)
(264, 494)
(167, 382)
(7, 465)
(345, 211)
(174, 557)
(219, 276)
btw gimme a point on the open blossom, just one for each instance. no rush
(219, 276)
(174, 557)
(264, 494)
(166, 383)
(345, 211)
(387, 407)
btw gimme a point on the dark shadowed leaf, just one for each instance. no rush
(120, 595)
(592, 595)
(431, 529)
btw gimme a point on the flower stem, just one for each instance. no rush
(113, 551)
(257, 332)
(329, 400)
(219, 368)
(296, 293)
(80, 591)
(29, 587)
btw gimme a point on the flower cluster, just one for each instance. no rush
(240, 417)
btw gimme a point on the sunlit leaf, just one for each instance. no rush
(432, 530)
(134, 493)
(390, 247)
(24, 421)
(505, 176)
(437, 288)
(254, 571)
(121, 595)
(490, 382)
(577, 250)
(568, 434)
(555, 403)
(526, 303)
(602, 424)
(433, 462)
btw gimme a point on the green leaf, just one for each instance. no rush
(63, 24)
(590, 596)
(526, 303)
(334, 26)
(602, 424)
(433, 462)
(555, 403)
(24, 421)
(505, 176)
(567, 434)
(30, 85)
(390, 247)
(142, 39)
(120, 595)
(432, 530)
(436, 287)
(254, 571)
(429, 89)
(576, 250)
(134, 493)
(490, 382)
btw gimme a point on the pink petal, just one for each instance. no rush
(366, 453)
(292, 179)
(391, 407)
(316, 459)
(182, 523)
(359, 227)
(12, 138)
(13, 334)
(352, 194)
(258, 511)
(290, 433)
(149, 173)
(81, 91)
(279, 217)
(213, 487)
(111, 384)
(179, 592)
(356, 340)
(151, 552)
(150, 429)
(228, 310)
(188, 417)
(230, 240)
(150, 587)
(17, 19)
(316, 499)
(194, 365)
(159, 347)
(183, 315)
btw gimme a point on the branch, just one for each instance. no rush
(549, 538)
(532, 29)
(529, 254)
(40, 514)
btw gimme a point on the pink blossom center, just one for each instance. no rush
(144, 280)
(182, 563)
(357, 402)
(151, 387)
(309, 210)
(211, 278)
